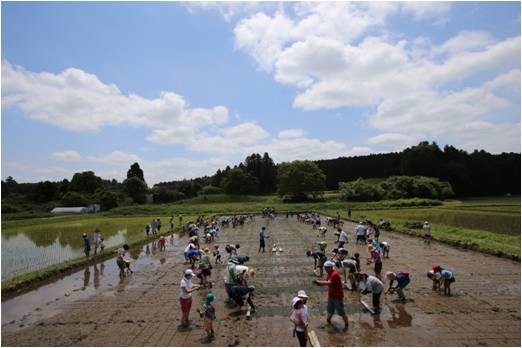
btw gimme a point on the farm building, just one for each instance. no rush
(69, 210)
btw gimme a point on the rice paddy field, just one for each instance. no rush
(490, 225)
(30, 245)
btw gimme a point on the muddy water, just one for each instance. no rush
(484, 308)
(101, 278)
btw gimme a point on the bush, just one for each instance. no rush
(361, 191)
(9, 209)
(163, 195)
(211, 190)
(74, 199)
(108, 200)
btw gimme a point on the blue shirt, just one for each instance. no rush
(262, 234)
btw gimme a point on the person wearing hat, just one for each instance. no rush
(402, 279)
(87, 245)
(446, 278)
(208, 313)
(299, 318)
(427, 232)
(240, 259)
(375, 257)
(185, 296)
(335, 293)
(319, 260)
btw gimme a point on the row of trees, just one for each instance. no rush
(470, 174)
(395, 187)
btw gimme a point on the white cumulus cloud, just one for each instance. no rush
(67, 155)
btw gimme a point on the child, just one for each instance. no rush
(102, 245)
(204, 268)
(385, 246)
(435, 278)
(217, 255)
(402, 278)
(446, 278)
(376, 259)
(122, 262)
(319, 260)
(427, 232)
(162, 243)
(208, 313)
(300, 321)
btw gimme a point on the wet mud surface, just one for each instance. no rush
(143, 309)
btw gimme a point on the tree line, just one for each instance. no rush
(423, 170)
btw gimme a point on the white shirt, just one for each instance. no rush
(360, 230)
(426, 229)
(343, 237)
(304, 316)
(185, 283)
(374, 285)
(190, 246)
(240, 269)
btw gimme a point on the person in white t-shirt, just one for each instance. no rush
(343, 237)
(188, 248)
(185, 296)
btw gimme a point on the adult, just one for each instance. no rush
(185, 296)
(96, 240)
(262, 239)
(374, 286)
(360, 232)
(87, 245)
(240, 259)
(426, 228)
(204, 268)
(300, 321)
(343, 237)
(190, 246)
(446, 278)
(335, 293)
(402, 279)
(349, 270)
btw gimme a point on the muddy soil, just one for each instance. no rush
(143, 310)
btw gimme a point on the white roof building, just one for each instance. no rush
(69, 210)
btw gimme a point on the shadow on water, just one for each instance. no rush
(47, 300)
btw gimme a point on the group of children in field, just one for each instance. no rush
(350, 266)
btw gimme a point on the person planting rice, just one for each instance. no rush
(190, 246)
(231, 250)
(122, 262)
(322, 231)
(385, 247)
(185, 297)
(241, 259)
(217, 255)
(163, 243)
(355, 257)
(373, 285)
(402, 279)
(375, 258)
(446, 278)
(335, 293)
(299, 318)
(349, 268)
(319, 260)
(241, 293)
(194, 256)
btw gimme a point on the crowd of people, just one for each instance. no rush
(338, 268)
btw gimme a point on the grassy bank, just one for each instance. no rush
(500, 244)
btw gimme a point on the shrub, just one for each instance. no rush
(211, 190)
(74, 199)
(163, 195)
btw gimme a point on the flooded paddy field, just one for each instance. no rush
(38, 243)
(143, 309)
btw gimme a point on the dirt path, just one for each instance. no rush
(485, 308)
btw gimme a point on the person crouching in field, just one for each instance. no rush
(319, 260)
(122, 262)
(385, 247)
(446, 278)
(371, 284)
(402, 279)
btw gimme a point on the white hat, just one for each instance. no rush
(425, 222)
(302, 294)
(189, 272)
(329, 264)
(295, 300)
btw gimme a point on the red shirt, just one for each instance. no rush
(335, 289)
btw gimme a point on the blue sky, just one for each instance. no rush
(187, 88)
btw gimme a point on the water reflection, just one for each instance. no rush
(400, 318)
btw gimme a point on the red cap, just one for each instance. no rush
(436, 268)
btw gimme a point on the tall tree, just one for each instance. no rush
(86, 182)
(136, 189)
(300, 179)
(136, 171)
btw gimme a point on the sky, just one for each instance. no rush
(186, 88)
